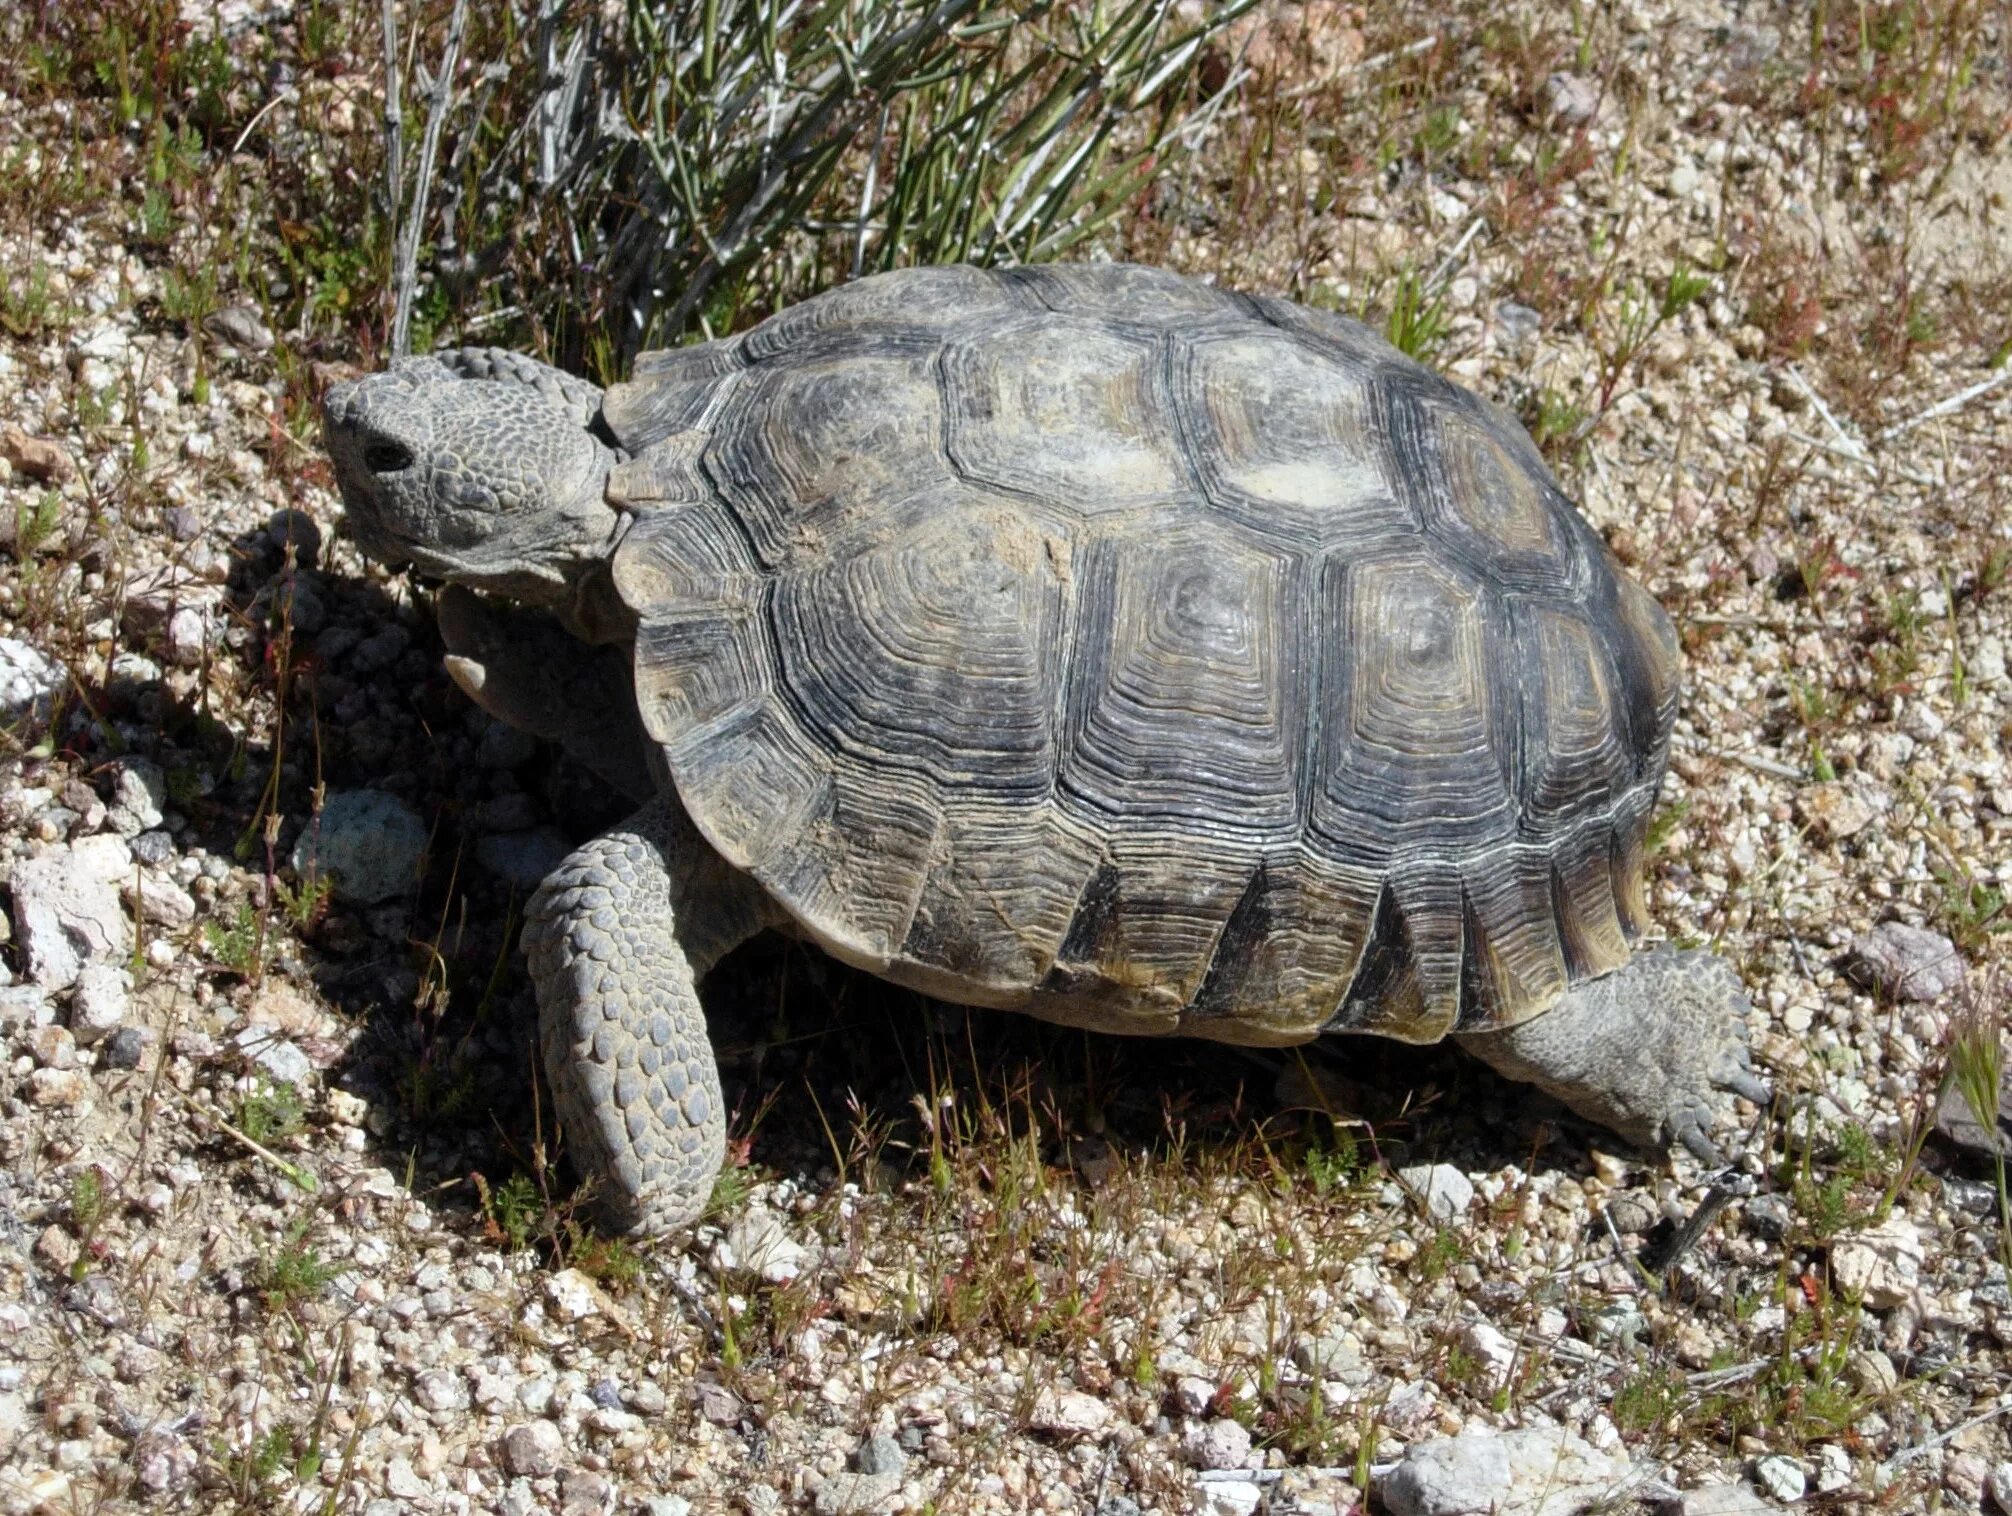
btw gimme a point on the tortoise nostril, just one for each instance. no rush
(382, 456)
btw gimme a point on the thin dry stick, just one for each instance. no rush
(394, 118)
(1954, 403)
(406, 273)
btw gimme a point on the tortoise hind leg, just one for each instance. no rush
(616, 939)
(1650, 1050)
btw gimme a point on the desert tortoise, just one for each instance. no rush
(1083, 640)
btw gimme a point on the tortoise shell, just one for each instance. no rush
(1095, 642)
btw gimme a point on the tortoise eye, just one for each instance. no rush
(382, 456)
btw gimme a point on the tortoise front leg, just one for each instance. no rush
(616, 939)
(526, 670)
(1651, 1050)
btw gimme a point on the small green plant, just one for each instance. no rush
(1971, 910)
(730, 1190)
(1645, 1401)
(28, 306)
(1555, 421)
(607, 1259)
(87, 1201)
(307, 901)
(235, 944)
(35, 524)
(294, 1270)
(271, 1113)
(513, 1209)
(1333, 1164)
(1663, 825)
(1977, 1069)
(1439, 1255)
(1417, 323)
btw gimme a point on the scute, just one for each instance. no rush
(1099, 643)
(1051, 408)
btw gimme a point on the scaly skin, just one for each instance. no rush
(616, 939)
(1649, 1050)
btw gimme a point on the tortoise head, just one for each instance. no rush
(484, 480)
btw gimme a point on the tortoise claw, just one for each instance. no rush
(1743, 1083)
(1695, 1138)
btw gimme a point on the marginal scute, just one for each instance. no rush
(1089, 641)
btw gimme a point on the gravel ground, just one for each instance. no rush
(281, 1227)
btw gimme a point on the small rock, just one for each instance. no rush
(296, 527)
(1781, 1477)
(583, 1492)
(23, 1005)
(1194, 1394)
(239, 326)
(1881, 1264)
(39, 458)
(1965, 1475)
(757, 1243)
(1491, 1349)
(1768, 1217)
(1955, 1120)
(1539, 1471)
(1872, 1373)
(1218, 1444)
(1835, 810)
(441, 1390)
(367, 842)
(1227, 1497)
(100, 1004)
(1070, 1413)
(281, 1059)
(1718, 1500)
(1986, 667)
(1906, 963)
(28, 681)
(2001, 1487)
(1443, 1191)
(1833, 1469)
(139, 793)
(58, 1089)
(717, 1404)
(574, 1295)
(67, 911)
(1570, 99)
(856, 1494)
(163, 1463)
(1633, 1212)
(160, 901)
(667, 1505)
(187, 637)
(1520, 323)
(533, 1449)
(880, 1454)
(57, 1249)
(53, 1047)
(124, 1049)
